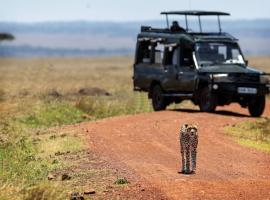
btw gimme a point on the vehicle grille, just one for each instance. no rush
(244, 77)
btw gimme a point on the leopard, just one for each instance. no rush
(188, 138)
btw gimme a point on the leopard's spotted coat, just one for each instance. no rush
(188, 137)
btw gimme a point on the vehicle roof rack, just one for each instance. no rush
(213, 36)
(195, 13)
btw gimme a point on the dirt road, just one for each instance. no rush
(147, 146)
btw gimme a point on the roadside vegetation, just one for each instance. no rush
(39, 96)
(27, 155)
(255, 134)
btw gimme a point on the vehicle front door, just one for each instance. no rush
(170, 73)
(180, 72)
(187, 74)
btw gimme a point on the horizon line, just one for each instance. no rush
(122, 21)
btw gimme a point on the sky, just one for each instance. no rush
(122, 10)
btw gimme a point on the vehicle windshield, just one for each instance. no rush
(216, 53)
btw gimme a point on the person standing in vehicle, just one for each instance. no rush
(176, 28)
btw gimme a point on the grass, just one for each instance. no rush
(255, 134)
(39, 95)
(25, 161)
(51, 114)
(121, 181)
(31, 146)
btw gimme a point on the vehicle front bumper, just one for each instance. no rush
(233, 88)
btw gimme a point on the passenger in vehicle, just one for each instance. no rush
(176, 28)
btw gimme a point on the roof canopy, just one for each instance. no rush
(195, 13)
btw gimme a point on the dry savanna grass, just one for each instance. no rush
(262, 63)
(66, 75)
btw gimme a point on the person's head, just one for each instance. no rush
(175, 23)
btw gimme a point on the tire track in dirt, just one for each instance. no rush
(147, 144)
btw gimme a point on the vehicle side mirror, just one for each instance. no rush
(246, 61)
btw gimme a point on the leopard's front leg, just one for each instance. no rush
(194, 159)
(183, 160)
(187, 152)
(182, 147)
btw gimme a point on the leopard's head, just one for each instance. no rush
(193, 129)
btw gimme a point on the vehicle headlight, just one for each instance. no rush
(217, 76)
(265, 79)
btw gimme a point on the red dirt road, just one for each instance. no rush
(147, 145)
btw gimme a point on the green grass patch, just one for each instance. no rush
(19, 162)
(255, 134)
(29, 151)
(44, 191)
(263, 146)
(51, 114)
(121, 181)
(121, 104)
(57, 145)
(18, 156)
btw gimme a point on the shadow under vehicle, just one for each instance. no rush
(207, 68)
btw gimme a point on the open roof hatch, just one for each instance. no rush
(196, 13)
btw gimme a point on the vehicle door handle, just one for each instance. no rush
(179, 74)
(165, 69)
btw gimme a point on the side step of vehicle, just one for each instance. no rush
(178, 95)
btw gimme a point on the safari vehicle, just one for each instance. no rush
(207, 68)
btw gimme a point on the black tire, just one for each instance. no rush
(256, 106)
(207, 101)
(158, 101)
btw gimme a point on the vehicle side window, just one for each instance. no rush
(235, 53)
(159, 54)
(186, 59)
(144, 52)
(168, 55)
(222, 53)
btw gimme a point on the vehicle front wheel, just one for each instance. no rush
(256, 106)
(207, 100)
(158, 100)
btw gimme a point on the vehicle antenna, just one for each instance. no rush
(186, 22)
(200, 23)
(167, 20)
(219, 24)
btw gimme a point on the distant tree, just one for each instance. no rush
(6, 36)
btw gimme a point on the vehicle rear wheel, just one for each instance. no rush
(256, 106)
(158, 100)
(207, 100)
